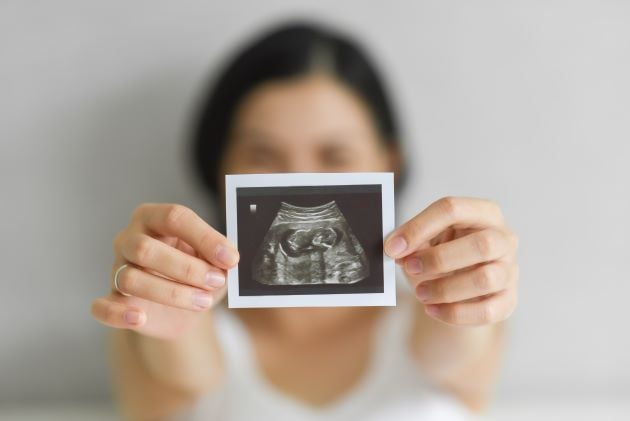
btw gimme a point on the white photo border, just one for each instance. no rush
(385, 180)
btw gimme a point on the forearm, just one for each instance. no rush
(462, 359)
(153, 379)
(191, 363)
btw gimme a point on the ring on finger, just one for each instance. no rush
(120, 269)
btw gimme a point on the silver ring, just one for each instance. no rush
(116, 280)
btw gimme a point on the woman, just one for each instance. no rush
(303, 99)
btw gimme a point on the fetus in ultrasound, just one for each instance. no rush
(310, 245)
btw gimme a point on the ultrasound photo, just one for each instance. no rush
(310, 239)
(310, 245)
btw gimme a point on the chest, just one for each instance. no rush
(316, 372)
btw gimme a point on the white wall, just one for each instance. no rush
(524, 102)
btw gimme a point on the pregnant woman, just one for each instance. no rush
(304, 99)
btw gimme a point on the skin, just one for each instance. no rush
(458, 254)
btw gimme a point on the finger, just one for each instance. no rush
(181, 245)
(478, 247)
(482, 280)
(177, 243)
(117, 315)
(180, 221)
(444, 213)
(147, 252)
(139, 283)
(493, 309)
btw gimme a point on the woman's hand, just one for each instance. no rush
(461, 259)
(176, 271)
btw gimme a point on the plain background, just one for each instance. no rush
(524, 102)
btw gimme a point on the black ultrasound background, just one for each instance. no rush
(360, 205)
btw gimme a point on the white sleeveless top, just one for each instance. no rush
(392, 388)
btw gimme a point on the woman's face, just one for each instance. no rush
(308, 124)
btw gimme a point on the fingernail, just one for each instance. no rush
(226, 256)
(414, 266)
(201, 299)
(133, 317)
(396, 246)
(422, 292)
(215, 279)
(432, 310)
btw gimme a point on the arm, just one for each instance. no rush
(154, 378)
(170, 272)
(460, 258)
(463, 360)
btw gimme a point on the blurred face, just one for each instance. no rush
(308, 124)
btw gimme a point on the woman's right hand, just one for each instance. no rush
(176, 271)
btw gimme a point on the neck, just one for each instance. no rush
(308, 323)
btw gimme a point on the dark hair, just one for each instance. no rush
(285, 52)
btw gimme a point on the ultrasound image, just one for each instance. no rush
(309, 246)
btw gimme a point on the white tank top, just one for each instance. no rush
(392, 388)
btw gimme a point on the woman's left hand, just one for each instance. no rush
(460, 257)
